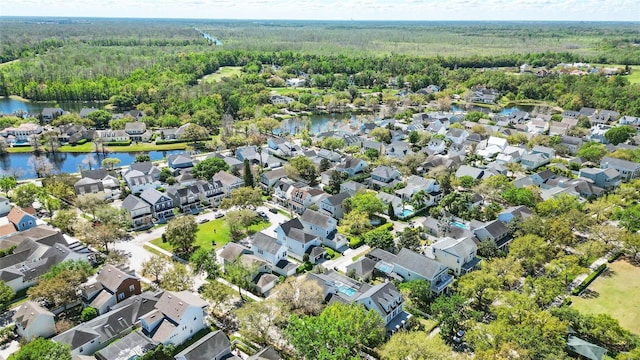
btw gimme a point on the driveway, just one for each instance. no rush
(346, 259)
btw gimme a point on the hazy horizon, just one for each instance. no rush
(330, 10)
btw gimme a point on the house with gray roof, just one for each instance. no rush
(351, 187)
(161, 204)
(333, 205)
(300, 242)
(628, 170)
(32, 321)
(214, 345)
(604, 178)
(362, 268)
(269, 178)
(89, 186)
(325, 227)
(459, 255)
(229, 182)
(137, 131)
(270, 250)
(351, 166)
(139, 181)
(139, 211)
(112, 285)
(384, 176)
(180, 161)
(496, 231)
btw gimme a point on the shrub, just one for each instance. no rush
(589, 279)
(81, 141)
(356, 242)
(88, 313)
(118, 143)
(614, 257)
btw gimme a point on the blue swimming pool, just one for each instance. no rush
(385, 268)
(458, 224)
(406, 213)
(346, 290)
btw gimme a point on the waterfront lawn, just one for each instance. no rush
(144, 147)
(225, 71)
(208, 239)
(20, 149)
(616, 294)
(84, 148)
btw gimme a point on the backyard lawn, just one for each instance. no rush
(616, 294)
(225, 71)
(205, 237)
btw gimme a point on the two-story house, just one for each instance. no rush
(384, 176)
(137, 131)
(182, 317)
(300, 242)
(180, 161)
(5, 206)
(273, 252)
(139, 211)
(459, 255)
(269, 178)
(21, 219)
(457, 136)
(88, 186)
(351, 166)
(496, 231)
(161, 204)
(333, 205)
(139, 181)
(628, 170)
(229, 182)
(113, 285)
(187, 199)
(32, 321)
(213, 346)
(423, 191)
(323, 226)
(604, 178)
(300, 200)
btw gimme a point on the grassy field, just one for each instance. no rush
(225, 71)
(84, 148)
(616, 294)
(213, 234)
(147, 147)
(20, 149)
(633, 78)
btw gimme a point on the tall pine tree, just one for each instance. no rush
(248, 175)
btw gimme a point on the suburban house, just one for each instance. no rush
(363, 268)
(187, 199)
(147, 168)
(351, 166)
(213, 346)
(457, 136)
(139, 211)
(398, 150)
(300, 200)
(533, 161)
(161, 205)
(514, 212)
(384, 176)
(137, 131)
(325, 227)
(273, 252)
(604, 178)
(180, 161)
(628, 170)
(22, 133)
(139, 181)
(269, 178)
(300, 242)
(108, 136)
(278, 99)
(112, 285)
(408, 265)
(36, 251)
(395, 201)
(384, 298)
(494, 230)
(491, 147)
(423, 190)
(93, 335)
(572, 143)
(88, 186)
(351, 187)
(5, 206)
(333, 205)
(178, 316)
(49, 114)
(131, 346)
(21, 219)
(228, 182)
(32, 321)
(459, 255)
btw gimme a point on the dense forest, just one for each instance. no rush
(159, 62)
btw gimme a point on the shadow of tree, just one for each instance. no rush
(608, 273)
(589, 294)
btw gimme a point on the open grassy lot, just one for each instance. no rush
(147, 147)
(213, 234)
(615, 293)
(633, 78)
(225, 71)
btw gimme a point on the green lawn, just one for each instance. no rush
(84, 148)
(213, 231)
(147, 147)
(225, 71)
(633, 78)
(20, 149)
(615, 294)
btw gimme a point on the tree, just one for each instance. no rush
(409, 238)
(50, 203)
(299, 297)
(181, 233)
(419, 292)
(339, 332)
(354, 223)
(257, 320)
(631, 246)
(25, 194)
(205, 169)
(391, 212)
(620, 134)
(592, 151)
(6, 295)
(195, 133)
(302, 167)
(414, 345)
(90, 203)
(7, 183)
(531, 251)
(381, 134)
(629, 218)
(41, 165)
(65, 220)
(467, 182)
(100, 118)
(204, 261)
(332, 143)
(243, 197)
(248, 175)
(335, 180)
(110, 163)
(110, 215)
(239, 219)
(379, 238)
(60, 285)
(325, 165)
(50, 140)
(488, 248)
(366, 202)
(452, 314)
(481, 286)
(100, 235)
(217, 294)
(414, 137)
(88, 313)
(240, 275)
(155, 267)
(372, 154)
(519, 196)
(143, 158)
(43, 349)
(177, 278)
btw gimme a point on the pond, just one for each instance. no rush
(11, 105)
(17, 164)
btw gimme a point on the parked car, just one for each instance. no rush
(202, 221)
(218, 215)
(457, 338)
(273, 210)
(263, 215)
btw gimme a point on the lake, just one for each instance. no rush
(18, 163)
(11, 106)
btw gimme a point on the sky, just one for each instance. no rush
(571, 10)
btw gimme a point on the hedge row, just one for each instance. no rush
(614, 257)
(589, 279)
(118, 143)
